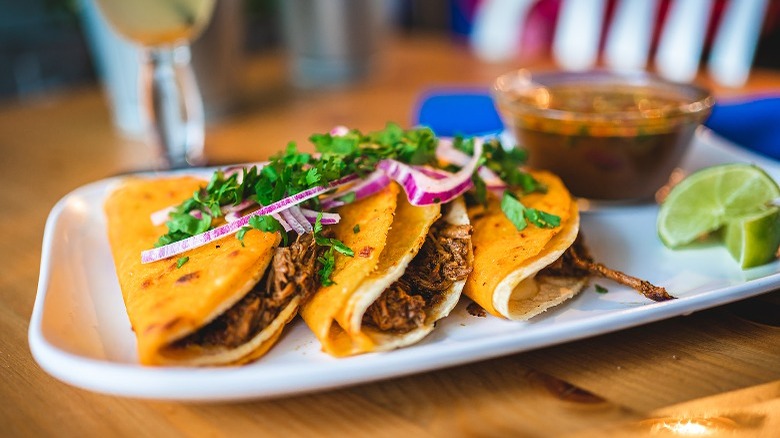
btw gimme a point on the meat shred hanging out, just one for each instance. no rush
(293, 272)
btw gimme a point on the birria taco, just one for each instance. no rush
(386, 265)
(520, 273)
(222, 303)
(408, 272)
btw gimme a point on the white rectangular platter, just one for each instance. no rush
(79, 331)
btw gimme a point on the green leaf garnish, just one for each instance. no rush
(182, 261)
(240, 234)
(514, 210)
(520, 215)
(328, 258)
(356, 228)
(348, 198)
(318, 224)
(269, 225)
(292, 171)
(541, 219)
(600, 289)
(328, 262)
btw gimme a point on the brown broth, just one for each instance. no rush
(605, 143)
(608, 167)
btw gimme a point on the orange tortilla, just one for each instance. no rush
(395, 230)
(506, 260)
(373, 215)
(166, 303)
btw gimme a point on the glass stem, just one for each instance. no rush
(177, 107)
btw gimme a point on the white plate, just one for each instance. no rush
(80, 333)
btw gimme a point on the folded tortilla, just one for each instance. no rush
(199, 313)
(510, 278)
(401, 280)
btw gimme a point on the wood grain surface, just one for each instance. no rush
(717, 369)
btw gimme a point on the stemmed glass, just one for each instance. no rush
(164, 29)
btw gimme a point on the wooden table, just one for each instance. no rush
(720, 366)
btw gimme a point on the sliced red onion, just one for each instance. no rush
(492, 181)
(279, 219)
(301, 218)
(172, 249)
(159, 217)
(238, 168)
(339, 131)
(434, 173)
(374, 182)
(232, 216)
(327, 218)
(197, 214)
(446, 152)
(424, 190)
(243, 205)
(293, 221)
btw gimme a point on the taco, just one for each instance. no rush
(222, 303)
(521, 273)
(408, 272)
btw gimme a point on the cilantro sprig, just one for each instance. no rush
(520, 215)
(292, 171)
(328, 258)
(507, 163)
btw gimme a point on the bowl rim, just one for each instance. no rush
(698, 100)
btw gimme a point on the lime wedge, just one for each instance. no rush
(709, 198)
(753, 240)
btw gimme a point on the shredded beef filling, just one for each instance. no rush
(442, 260)
(293, 272)
(396, 310)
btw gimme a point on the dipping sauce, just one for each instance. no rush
(608, 136)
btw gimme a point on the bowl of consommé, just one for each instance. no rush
(609, 136)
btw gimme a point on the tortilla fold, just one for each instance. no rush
(170, 299)
(508, 279)
(336, 314)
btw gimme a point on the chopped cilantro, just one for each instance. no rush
(348, 198)
(600, 289)
(480, 189)
(505, 163)
(513, 209)
(182, 261)
(328, 262)
(292, 171)
(541, 219)
(240, 234)
(520, 215)
(356, 228)
(328, 258)
(269, 225)
(318, 224)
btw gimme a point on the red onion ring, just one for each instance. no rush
(339, 131)
(446, 152)
(292, 220)
(279, 219)
(175, 248)
(326, 219)
(423, 190)
(300, 218)
(374, 182)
